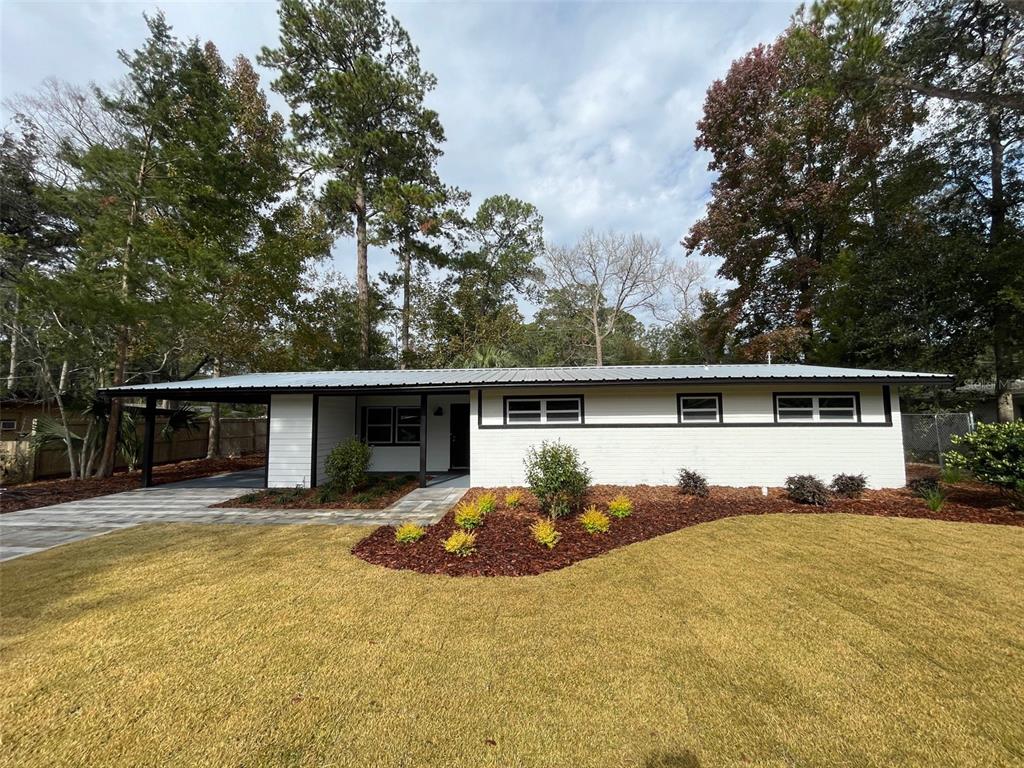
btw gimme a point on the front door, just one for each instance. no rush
(459, 456)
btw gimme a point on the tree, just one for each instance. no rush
(610, 275)
(352, 78)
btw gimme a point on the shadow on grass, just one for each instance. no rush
(671, 760)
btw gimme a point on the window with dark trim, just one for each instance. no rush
(7, 424)
(391, 425)
(544, 410)
(700, 408)
(829, 408)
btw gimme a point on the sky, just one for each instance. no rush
(588, 110)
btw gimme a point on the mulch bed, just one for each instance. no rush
(308, 498)
(44, 492)
(506, 548)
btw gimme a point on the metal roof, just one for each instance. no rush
(462, 378)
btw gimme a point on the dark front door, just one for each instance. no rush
(460, 435)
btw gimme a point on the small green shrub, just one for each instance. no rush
(544, 533)
(409, 533)
(469, 516)
(994, 454)
(595, 521)
(487, 503)
(251, 498)
(460, 544)
(514, 499)
(327, 494)
(923, 487)
(690, 483)
(807, 489)
(288, 495)
(935, 498)
(347, 463)
(850, 486)
(953, 475)
(557, 477)
(620, 506)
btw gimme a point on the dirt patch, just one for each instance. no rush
(46, 492)
(379, 493)
(504, 546)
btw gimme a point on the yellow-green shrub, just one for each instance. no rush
(409, 533)
(487, 503)
(594, 520)
(544, 533)
(468, 516)
(460, 543)
(620, 506)
(513, 499)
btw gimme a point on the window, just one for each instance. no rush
(700, 408)
(544, 410)
(407, 426)
(6, 424)
(817, 408)
(379, 423)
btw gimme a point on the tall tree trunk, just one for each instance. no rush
(1001, 315)
(12, 377)
(213, 441)
(406, 306)
(598, 340)
(62, 385)
(109, 456)
(362, 277)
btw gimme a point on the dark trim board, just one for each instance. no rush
(693, 425)
(266, 463)
(313, 452)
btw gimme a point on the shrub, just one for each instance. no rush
(923, 486)
(690, 483)
(513, 499)
(346, 464)
(994, 454)
(953, 475)
(469, 516)
(557, 477)
(544, 533)
(460, 543)
(326, 494)
(487, 503)
(807, 489)
(934, 498)
(620, 506)
(409, 533)
(595, 521)
(850, 486)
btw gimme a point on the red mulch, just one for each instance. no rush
(307, 499)
(45, 492)
(506, 548)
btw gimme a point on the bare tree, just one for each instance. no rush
(613, 273)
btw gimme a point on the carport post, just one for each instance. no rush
(423, 441)
(148, 436)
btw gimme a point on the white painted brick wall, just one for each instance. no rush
(291, 435)
(727, 455)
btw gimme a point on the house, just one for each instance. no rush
(739, 425)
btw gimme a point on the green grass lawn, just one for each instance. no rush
(785, 640)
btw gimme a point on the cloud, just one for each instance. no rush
(587, 110)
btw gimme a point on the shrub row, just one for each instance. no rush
(808, 489)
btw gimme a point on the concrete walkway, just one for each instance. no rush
(33, 530)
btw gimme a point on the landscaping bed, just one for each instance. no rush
(45, 492)
(505, 546)
(377, 492)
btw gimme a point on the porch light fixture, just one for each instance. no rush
(439, 411)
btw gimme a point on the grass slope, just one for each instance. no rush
(770, 641)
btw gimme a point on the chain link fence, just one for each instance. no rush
(926, 436)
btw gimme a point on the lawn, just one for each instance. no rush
(779, 640)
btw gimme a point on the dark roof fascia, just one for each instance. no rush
(259, 394)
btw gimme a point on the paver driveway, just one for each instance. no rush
(189, 501)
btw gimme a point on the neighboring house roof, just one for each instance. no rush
(462, 378)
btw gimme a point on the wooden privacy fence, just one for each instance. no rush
(238, 436)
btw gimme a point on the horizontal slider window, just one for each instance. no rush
(544, 410)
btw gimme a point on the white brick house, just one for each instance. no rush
(739, 425)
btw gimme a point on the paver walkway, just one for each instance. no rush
(189, 501)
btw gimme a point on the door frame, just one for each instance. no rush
(464, 429)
